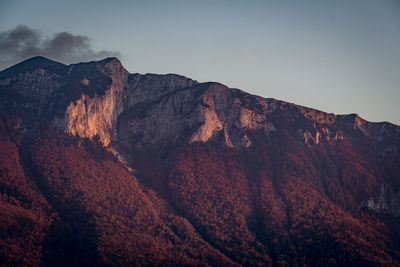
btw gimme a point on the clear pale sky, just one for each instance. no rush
(336, 56)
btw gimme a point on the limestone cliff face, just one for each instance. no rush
(95, 116)
(102, 99)
(204, 111)
(149, 109)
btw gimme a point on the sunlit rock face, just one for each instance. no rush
(95, 116)
(171, 104)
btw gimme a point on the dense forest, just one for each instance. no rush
(67, 200)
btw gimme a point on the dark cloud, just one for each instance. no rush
(23, 42)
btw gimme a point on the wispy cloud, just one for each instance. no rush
(23, 42)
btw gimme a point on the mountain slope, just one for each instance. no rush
(161, 169)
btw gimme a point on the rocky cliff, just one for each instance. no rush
(102, 99)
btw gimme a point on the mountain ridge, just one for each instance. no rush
(113, 67)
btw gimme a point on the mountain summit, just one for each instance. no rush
(102, 167)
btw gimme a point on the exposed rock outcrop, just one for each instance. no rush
(384, 200)
(137, 111)
(102, 99)
(96, 116)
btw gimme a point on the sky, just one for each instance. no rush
(339, 56)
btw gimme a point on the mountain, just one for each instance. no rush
(102, 167)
